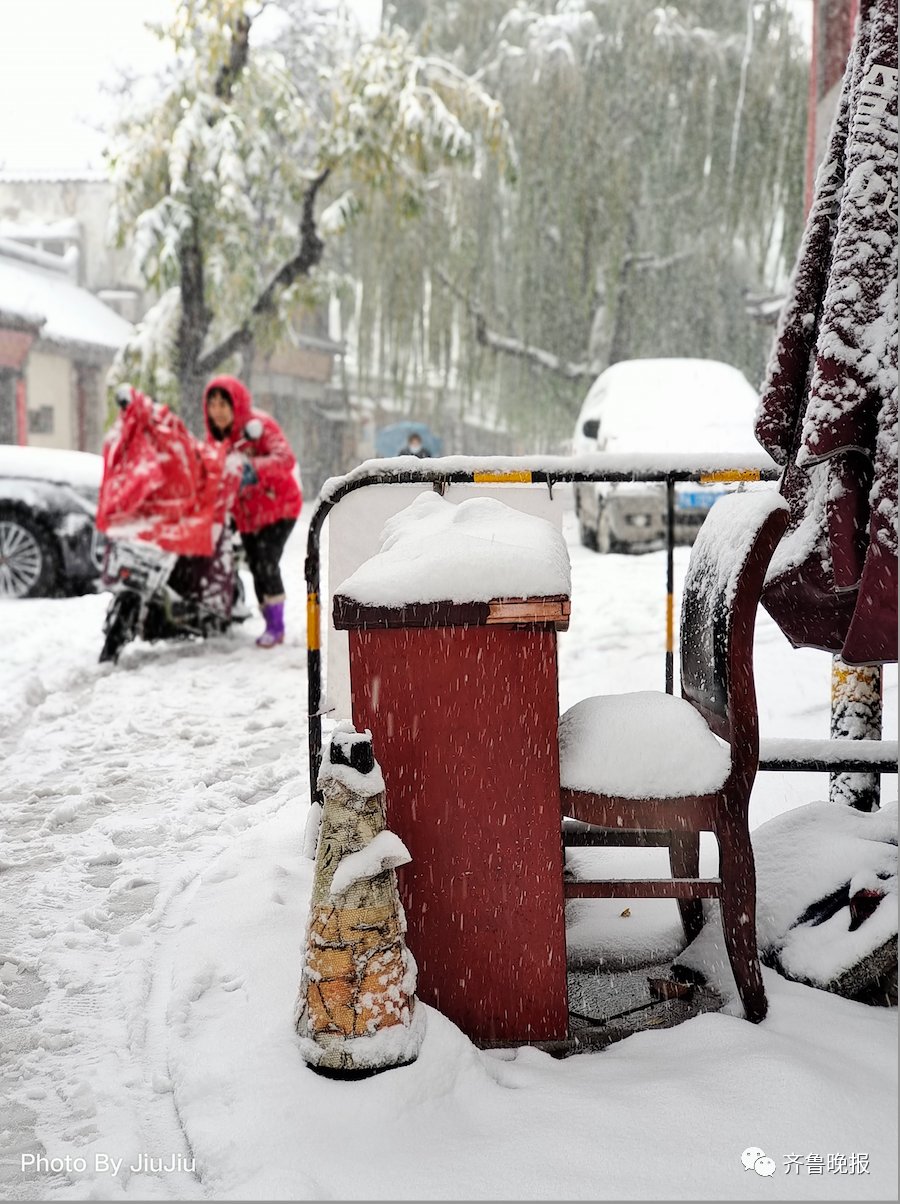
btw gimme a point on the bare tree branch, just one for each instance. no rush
(237, 58)
(535, 355)
(516, 347)
(655, 263)
(571, 370)
(308, 255)
(764, 307)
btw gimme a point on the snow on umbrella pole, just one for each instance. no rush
(356, 1009)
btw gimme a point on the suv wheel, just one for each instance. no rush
(27, 558)
(588, 536)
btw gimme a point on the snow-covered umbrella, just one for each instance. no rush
(828, 411)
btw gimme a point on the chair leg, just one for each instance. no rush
(684, 858)
(738, 906)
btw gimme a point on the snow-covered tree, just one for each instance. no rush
(230, 179)
(660, 152)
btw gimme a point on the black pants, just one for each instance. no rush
(264, 549)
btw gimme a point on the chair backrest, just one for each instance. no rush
(722, 589)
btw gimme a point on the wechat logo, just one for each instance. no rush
(754, 1159)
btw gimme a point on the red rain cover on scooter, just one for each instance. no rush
(160, 484)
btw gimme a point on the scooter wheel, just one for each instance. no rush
(120, 621)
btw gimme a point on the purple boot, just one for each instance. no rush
(273, 613)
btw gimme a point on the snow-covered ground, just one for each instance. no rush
(154, 900)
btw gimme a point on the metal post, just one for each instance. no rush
(670, 586)
(314, 649)
(855, 715)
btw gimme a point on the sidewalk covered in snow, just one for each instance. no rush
(153, 842)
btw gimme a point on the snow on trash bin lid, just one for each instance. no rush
(435, 551)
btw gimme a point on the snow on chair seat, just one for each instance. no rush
(635, 764)
(640, 745)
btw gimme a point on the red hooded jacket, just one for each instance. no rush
(276, 494)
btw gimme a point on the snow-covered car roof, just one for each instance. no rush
(84, 470)
(681, 405)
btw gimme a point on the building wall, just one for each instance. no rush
(9, 420)
(309, 364)
(14, 348)
(92, 405)
(50, 381)
(310, 412)
(25, 199)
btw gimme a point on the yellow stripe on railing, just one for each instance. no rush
(730, 474)
(670, 623)
(313, 634)
(497, 478)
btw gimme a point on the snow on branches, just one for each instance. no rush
(399, 115)
(218, 179)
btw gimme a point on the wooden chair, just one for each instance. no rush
(650, 768)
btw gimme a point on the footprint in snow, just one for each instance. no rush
(101, 876)
(73, 814)
(20, 986)
(127, 901)
(220, 875)
(137, 838)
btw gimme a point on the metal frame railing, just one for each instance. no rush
(440, 474)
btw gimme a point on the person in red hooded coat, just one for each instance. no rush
(269, 498)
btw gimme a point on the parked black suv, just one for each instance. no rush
(48, 542)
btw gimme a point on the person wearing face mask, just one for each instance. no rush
(415, 447)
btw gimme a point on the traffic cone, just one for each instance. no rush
(356, 1008)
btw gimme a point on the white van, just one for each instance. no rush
(658, 405)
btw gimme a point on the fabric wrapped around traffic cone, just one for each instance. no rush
(356, 1009)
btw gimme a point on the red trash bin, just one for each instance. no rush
(462, 702)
